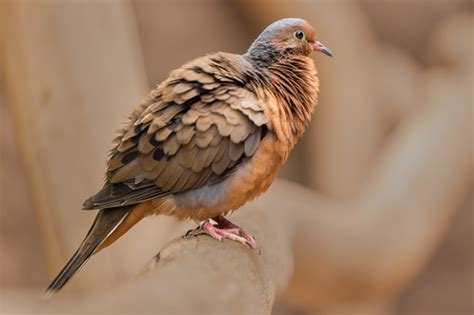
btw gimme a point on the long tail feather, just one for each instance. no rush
(133, 217)
(104, 224)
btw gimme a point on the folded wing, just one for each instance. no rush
(195, 129)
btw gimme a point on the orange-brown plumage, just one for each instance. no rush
(207, 140)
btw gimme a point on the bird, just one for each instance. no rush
(207, 140)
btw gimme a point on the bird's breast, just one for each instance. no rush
(252, 179)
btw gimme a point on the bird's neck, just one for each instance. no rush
(294, 91)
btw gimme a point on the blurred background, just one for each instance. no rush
(71, 70)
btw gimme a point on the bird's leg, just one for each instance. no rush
(224, 229)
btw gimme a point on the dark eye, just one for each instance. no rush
(299, 34)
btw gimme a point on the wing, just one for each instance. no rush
(194, 130)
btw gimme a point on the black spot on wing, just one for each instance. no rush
(135, 139)
(129, 157)
(158, 154)
(154, 142)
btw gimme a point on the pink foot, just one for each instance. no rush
(224, 229)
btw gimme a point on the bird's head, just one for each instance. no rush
(286, 37)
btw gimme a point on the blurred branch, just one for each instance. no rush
(198, 275)
(72, 69)
(372, 247)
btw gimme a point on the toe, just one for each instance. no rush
(236, 238)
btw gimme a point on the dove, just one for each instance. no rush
(207, 140)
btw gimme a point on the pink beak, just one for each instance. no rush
(318, 46)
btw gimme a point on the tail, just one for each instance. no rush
(105, 224)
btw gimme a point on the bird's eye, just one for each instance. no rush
(299, 34)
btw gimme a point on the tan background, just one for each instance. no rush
(388, 56)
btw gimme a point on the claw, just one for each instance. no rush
(224, 229)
